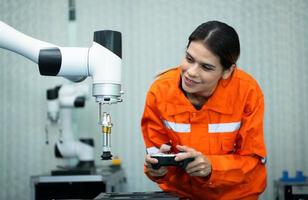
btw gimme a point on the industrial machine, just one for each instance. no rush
(102, 61)
(61, 100)
(88, 186)
(295, 188)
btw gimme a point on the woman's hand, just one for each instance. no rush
(148, 161)
(201, 166)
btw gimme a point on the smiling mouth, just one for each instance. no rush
(187, 80)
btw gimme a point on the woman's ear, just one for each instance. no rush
(228, 72)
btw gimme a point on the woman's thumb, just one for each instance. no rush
(164, 148)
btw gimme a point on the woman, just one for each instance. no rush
(212, 112)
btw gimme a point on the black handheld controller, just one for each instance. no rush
(168, 160)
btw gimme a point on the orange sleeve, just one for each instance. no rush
(153, 131)
(247, 161)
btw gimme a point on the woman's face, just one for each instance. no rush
(201, 70)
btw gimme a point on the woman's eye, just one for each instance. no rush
(207, 67)
(189, 59)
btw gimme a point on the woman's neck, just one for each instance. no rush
(197, 100)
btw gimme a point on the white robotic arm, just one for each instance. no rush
(61, 100)
(65, 96)
(102, 61)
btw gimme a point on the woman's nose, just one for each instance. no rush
(193, 69)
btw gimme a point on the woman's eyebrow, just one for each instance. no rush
(189, 54)
(201, 63)
(208, 65)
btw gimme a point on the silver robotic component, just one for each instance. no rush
(102, 61)
(105, 122)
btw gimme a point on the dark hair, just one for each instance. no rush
(221, 39)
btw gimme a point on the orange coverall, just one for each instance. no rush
(228, 130)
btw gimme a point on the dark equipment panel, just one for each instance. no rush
(69, 190)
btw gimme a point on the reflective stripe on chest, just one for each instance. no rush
(224, 127)
(177, 127)
(212, 128)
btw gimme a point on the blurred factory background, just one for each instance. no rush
(274, 49)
